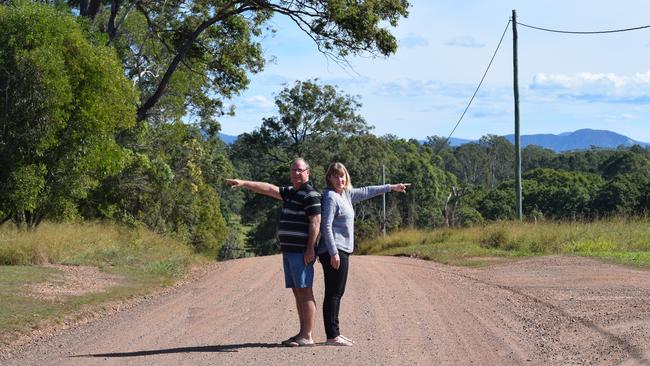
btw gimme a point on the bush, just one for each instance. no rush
(495, 239)
(467, 216)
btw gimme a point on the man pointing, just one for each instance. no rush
(297, 232)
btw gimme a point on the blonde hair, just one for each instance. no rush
(338, 169)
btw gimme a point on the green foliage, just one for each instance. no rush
(65, 100)
(170, 186)
(500, 159)
(193, 55)
(312, 121)
(578, 184)
(533, 156)
(560, 194)
(308, 114)
(624, 162)
(468, 216)
(262, 239)
(498, 204)
(322, 125)
(625, 194)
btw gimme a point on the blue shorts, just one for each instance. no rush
(296, 274)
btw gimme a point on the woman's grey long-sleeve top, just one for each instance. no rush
(337, 217)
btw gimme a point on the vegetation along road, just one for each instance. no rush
(400, 311)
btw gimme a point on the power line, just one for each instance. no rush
(479, 84)
(586, 32)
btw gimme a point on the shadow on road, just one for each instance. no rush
(217, 348)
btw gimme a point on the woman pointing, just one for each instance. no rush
(337, 240)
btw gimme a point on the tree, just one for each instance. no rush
(500, 159)
(171, 186)
(582, 161)
(215, 42)
(498, 204)
(621, 195)
(560, 194)
(534, 156)
(308, 113)
(312, 119)
(624, 162)
(472, 164)
(64, 100)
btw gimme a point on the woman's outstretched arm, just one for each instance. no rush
(364, 193)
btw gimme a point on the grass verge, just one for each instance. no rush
(624, 241)
(141, 260)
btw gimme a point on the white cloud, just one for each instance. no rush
(413, 40)
(628, 116)
(259, 101)
(598, 86)
(464, 41)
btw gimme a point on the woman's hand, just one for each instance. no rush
(233, 183)
(401, 187)
(335, 261)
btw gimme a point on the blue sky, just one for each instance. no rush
(566, 82)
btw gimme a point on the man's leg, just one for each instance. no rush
(306, 305)
(298, 308)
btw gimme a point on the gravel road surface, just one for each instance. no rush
(400, 311)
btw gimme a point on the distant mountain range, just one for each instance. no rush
(577, 140)
(228, 139)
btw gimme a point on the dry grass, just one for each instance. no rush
(92, 244)
(621, 240)
(140, 261)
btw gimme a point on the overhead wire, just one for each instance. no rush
(479, 84)
(537, 28)
(584, 32)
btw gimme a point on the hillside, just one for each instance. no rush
(567, 141)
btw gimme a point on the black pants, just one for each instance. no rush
(335, 281)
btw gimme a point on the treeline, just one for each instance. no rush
(452, 186)
(587, 184)
(111, 111)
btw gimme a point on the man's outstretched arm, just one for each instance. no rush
(267, 189)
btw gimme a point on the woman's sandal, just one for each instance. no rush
(290, 342)
(339, 341)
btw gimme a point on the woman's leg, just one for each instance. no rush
(335, 281)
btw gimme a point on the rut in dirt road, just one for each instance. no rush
(400, 311)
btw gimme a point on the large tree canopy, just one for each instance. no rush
(63, 100)
(203, 49)
(308, 113)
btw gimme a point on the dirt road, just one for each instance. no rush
(400, 311)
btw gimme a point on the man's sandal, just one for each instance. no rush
(297, 342)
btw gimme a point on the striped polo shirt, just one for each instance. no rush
(299, 205)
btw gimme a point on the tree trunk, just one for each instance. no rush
(111, 28)
(224, 13)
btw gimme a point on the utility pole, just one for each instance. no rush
(517, 137)
(383, 200)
